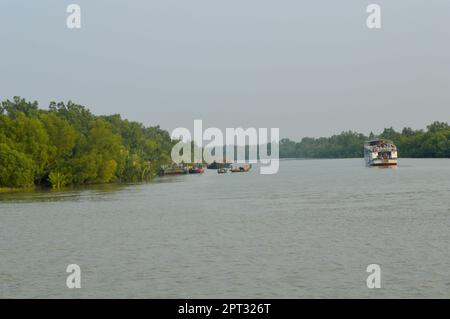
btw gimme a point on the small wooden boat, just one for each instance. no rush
(241, 169)
(173, 170)
(222, 170)
(196, 170)
(216, 165)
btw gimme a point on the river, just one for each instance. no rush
(309, 231)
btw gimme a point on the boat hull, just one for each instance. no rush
(198, 170)
(378, 162)
(173, 171)
(241, 169)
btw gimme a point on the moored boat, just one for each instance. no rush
(222, 170)
(217, 165)
(241, 168)
(196, 169)
(175, 169)
(380, 152)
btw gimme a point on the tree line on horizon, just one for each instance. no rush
(433, 142)
(68, 145)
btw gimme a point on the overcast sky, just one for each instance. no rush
(311, 68)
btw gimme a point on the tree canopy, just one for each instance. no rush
(68, 145)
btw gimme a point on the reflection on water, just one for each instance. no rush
(308, 231)
(69, 193)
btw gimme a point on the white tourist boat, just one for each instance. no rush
(380, 152)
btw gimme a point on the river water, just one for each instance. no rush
(309, 231)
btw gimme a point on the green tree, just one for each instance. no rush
(16, 168)
(58, 179)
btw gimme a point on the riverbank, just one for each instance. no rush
(16, 190)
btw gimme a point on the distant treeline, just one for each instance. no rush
(433, 142)
(68, 145)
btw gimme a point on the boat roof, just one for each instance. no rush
(380, 140)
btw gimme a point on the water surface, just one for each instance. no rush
(308, 231)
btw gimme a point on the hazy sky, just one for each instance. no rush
(308, 67)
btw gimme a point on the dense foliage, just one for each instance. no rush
(434, 142)
(67, 145)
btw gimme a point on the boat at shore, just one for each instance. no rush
(217, 165)
(182, 168)
(241, 168)
(380, 152)
(222, 170)
(196, 169)
(175, 169)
